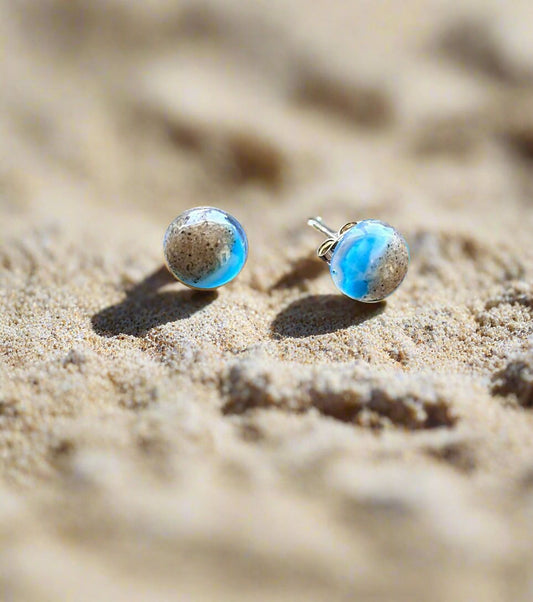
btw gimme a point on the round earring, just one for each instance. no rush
(205, 248)
(368, 260)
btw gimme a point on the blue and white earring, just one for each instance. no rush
(368, 260)
(205, 248)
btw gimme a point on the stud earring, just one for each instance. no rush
(205, 248)
(368, 260)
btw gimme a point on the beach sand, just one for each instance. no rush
(273, 440)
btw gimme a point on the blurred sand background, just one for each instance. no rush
(273, 441)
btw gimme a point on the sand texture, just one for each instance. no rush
(272, 441)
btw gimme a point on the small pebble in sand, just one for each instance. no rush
(205, 247)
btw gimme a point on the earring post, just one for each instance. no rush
(318, 224)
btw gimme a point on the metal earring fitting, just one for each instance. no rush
(368, 260)
(205, 248)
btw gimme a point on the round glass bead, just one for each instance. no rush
(369, 261)
(205, 247)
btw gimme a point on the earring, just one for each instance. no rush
(368, 260)
(205, 248)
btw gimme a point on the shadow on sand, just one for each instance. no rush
(145, 308)
(322, 314)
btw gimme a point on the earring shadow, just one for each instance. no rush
(322, 314)
(145, 308)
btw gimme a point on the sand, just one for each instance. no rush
(271, 441)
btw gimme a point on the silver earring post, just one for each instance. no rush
(320, 226)
(325, 250)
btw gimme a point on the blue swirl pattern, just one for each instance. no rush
(369, 261)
